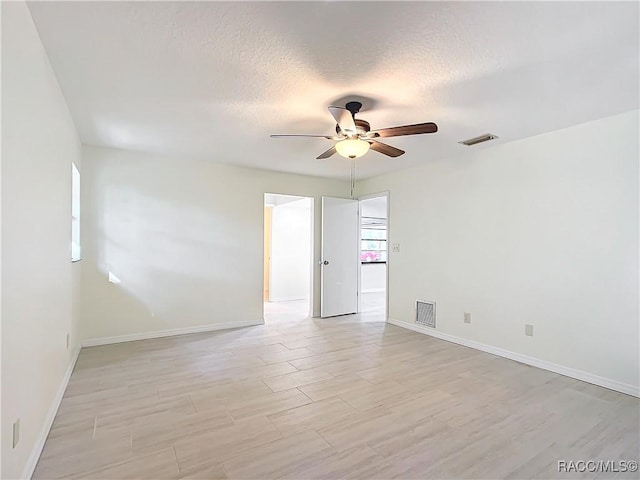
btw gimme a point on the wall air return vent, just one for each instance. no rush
(426, 313)
(476, 140)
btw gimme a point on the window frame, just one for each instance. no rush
(374, 223)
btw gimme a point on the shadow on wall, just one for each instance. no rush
(178, 249)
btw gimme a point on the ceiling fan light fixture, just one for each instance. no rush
(354, 136)
(352, 147)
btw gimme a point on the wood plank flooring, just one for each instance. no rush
(350, 397)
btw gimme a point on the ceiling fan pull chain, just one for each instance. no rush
(353, 177)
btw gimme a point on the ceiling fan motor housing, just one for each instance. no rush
(362, 127)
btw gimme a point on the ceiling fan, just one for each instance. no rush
(354, 136)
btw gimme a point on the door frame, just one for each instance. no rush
(311, 245)
(386, 287)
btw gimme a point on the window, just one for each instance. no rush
(373, 240)
(75, 213)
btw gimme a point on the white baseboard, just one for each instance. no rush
(534, 362)
(32, 461)
(93, 342)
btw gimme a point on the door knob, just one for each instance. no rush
(326, 262)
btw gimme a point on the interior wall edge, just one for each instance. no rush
(609, 383)
(32, 461)
(93, 342)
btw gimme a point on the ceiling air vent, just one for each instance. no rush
(482, 138)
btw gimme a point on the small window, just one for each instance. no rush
(373, 240)
(75, 213)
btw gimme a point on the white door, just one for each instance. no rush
(339, 261)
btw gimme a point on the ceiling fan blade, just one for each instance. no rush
(405, 130)
(313, 136)
(327, 154)
(344, 119)
(385, 149)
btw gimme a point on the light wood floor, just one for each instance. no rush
(339, 398)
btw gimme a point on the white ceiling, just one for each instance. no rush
(212, 80)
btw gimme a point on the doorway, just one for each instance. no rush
(288, 257)
(374, 223)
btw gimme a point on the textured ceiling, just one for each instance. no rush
(212, 80)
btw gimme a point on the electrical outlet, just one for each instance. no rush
(528, 330)
(467, 317)
(67, 341)
(396, 248)
(16, 433)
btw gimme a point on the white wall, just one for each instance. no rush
(374, 207)
(291, 254)
(184, 237)
(39, 142)
(373, 277)
(541, 231)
